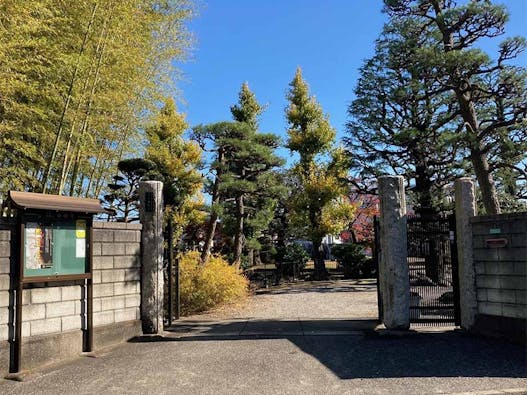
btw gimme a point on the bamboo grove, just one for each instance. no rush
(79, 81)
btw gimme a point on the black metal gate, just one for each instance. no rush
(433, 270)
(375, 256)
(171, 278)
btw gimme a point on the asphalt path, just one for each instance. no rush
(281, 343)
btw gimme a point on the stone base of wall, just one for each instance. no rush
(4, 358)
(38, 351)
(109, 335)
(514, 329)
(43, 350)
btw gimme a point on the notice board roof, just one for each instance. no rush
(42, 201)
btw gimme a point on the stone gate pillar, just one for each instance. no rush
(465, 195)
(151, 215)
(394, 282)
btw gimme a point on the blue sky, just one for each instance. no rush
(262, 42)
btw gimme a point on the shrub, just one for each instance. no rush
(353, 261)
(204, 287)
(291, 259)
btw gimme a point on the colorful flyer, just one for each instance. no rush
(38, 246)
(80, 229)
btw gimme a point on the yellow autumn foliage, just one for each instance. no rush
(213, 285)
(338, 215)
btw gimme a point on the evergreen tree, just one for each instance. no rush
(260, 204)
(242, 168)
(400, 124)
(320, 204)
(248, 161)
(123, 198)
(490, 95)
(248, 110)
(210, 138)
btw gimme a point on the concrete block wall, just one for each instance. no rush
(55, 309)
(501, 272)
(116, 272)
(5, 253)
(52, 316)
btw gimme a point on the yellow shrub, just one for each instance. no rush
(212, 285)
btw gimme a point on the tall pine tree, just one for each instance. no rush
(400, 124)
(490, 93)
(242, 172)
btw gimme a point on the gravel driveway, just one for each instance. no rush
(342, 299)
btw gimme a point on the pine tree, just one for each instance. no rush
(249, 158)
(259, 204)
(123, 198)
(242, 167)
(400, 124)
(490, 95)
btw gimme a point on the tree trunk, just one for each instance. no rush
(486, 184)
(463, 92)
(257, 257)
(281, 232)
(423, 190)
(478, 158)
(238, 238)
(320, 272)
(211, 228)
(209, 238)
(250, 257)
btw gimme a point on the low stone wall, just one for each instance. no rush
(52, 316)
(500, 261)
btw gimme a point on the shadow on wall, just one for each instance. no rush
(351, 349)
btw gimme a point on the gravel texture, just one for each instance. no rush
(342, 299)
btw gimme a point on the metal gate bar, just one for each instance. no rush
(375, 256)
(432, 268)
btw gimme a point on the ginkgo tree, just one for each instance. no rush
(176, 162)
(320, 205)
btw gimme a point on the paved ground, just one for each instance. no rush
(309, 339)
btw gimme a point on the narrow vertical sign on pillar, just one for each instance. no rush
(152, 282)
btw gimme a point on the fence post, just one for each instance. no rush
(394, 281)
(465, 195)
(152, 281)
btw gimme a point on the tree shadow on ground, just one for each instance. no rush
(316, 290)
(363, 285)
(351, 349)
